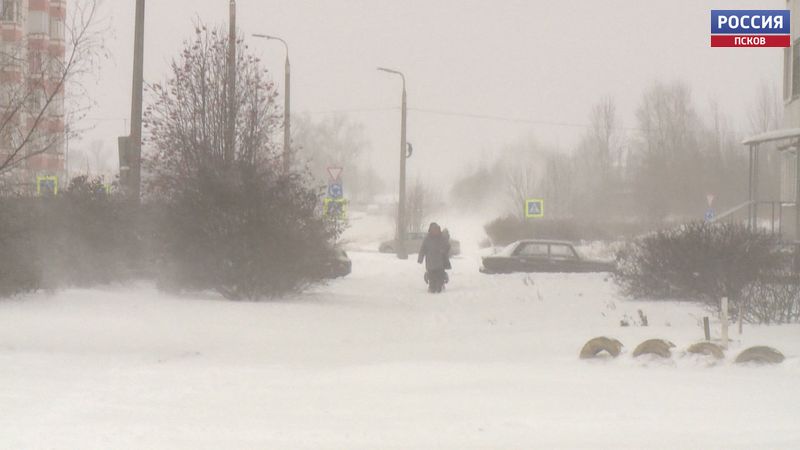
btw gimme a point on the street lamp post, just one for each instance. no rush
(287, 122)
(401, 206)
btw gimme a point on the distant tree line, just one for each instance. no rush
(660, 170)
(336, 141)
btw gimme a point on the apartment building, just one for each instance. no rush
(32, 49)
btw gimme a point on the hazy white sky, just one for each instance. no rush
(547, 61)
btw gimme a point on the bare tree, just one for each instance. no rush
(188, 114)
(421, 203)
(603, 138)
(558, 185)
(35, 118)
(522, 182)
(337, 141)
(597, 165)
(240, 226)
(669, 176)
(521, 168)
(765, 113)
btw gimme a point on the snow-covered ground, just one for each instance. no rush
(372, 361)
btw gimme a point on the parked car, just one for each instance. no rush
(542, 256)
(414, 243)
(340, 265)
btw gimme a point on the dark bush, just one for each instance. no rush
(89, 237)
(697, 261)
(20, 270)
(243, 234)
(83, 237)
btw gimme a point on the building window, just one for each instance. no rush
(38, 22)
(10, 10)
(36, 100)
(796, 69)
(56, 28)
(35, 63)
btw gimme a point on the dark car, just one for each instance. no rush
(414, 243)
(542, 256)
(339, 265)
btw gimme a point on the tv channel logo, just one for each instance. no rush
(750, 28)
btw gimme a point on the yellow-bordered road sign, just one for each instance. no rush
(534, 208)
(335, 207)
(46, 185)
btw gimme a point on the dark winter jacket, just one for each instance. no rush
(446, 236)
(434, 251)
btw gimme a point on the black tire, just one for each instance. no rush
(595, 346)
(708, 349)
(760, 355)
(658, 347)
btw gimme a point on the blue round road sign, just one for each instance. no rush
(335, 190)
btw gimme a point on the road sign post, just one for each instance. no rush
(334, 205)
(710, 213)
(724, 319)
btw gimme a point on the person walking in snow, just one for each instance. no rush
(434, 252)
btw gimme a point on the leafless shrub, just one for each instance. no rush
(696, 261)
(772, 301)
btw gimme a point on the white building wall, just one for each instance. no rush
(791, 97)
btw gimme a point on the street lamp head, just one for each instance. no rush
(273, 38)
(396, 72)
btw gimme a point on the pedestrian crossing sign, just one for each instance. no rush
(46, 186)
(534, 208)
(335, 207)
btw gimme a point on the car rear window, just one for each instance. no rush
(532, 250)
(562, 252)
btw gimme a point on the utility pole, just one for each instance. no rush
(401, 204)
(401, 207)
(135, 141)
(230, 135)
